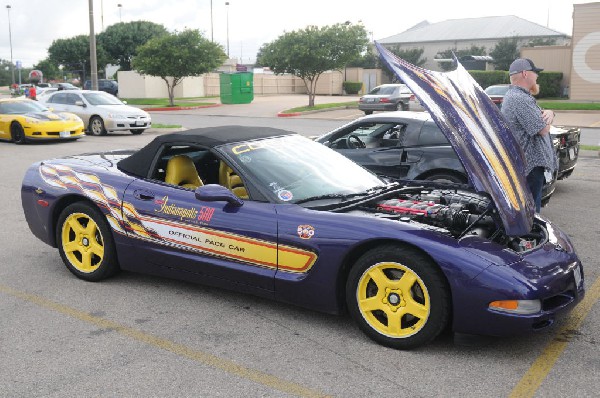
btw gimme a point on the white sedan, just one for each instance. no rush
(100, 112)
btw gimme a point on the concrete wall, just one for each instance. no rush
(585, 69)
(552, 59)
(134, 85)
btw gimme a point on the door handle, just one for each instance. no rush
(143, 195)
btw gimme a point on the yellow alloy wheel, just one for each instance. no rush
(393, 299)
(82, 242)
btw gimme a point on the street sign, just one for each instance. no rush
(19, 65)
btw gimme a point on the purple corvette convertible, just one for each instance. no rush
(271, 213)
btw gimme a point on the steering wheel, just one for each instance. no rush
(353, 142)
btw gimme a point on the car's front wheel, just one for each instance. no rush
(17, 133)
(96, 126)
(398, 297)
(136, 131)
(85, 242)
(447, 178)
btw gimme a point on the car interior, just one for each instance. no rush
(371, 135)
(190, 167)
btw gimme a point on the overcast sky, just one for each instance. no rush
(35, 24)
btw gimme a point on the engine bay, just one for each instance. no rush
(456, 213)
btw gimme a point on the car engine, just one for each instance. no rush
(456, 213)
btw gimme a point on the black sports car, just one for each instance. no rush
(406, 145)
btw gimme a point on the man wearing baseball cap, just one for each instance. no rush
(530, 125)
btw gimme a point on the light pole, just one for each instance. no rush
(211, 23)
(120, 6)
(227, 5)
(12, 67)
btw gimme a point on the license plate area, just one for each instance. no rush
(64, 134)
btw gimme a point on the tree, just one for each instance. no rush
(414, 56)
(74, 54)
(5, 73)
(447, 54)
(505, 52)
(309, 52)
(49, 69)
(177, 55)
(538, 42)
(121, 40)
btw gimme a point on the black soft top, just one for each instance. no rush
(140, 162)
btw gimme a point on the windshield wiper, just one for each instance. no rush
(331, 196)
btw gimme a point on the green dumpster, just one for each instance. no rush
(237, 88)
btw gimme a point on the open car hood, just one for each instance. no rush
(478, 133)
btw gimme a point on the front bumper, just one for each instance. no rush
(54, 131)
(127, 123)
(551, 273)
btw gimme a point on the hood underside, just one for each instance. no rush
(478, 133)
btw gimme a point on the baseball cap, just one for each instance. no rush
(521, 64)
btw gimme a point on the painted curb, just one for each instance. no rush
(180, 108)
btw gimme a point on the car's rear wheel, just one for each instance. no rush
(136, 131)
(17, 133)
(398, 297)
(447, 178)
(85, 242)
(368, 112)
(96, 126)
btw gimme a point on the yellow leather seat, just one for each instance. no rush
(182, 172)
(230, 180)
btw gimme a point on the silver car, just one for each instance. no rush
(387, 97)
(100, 111)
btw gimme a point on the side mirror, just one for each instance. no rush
(217, 193)
(80, 103)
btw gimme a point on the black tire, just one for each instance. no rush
(374, 296)
(368, 112)
(17, 133)
(447, 178)
(404, 106)
(85, 242)
(96, 126)
(136, 131)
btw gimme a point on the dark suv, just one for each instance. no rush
(402, 145)
(110, 86)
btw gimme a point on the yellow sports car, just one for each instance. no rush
(22, 120)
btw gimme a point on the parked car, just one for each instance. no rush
(106, 85)
(414, 104)
(44, 91)
(65, 86)
(566, 142)
(497, 93)
(23, 120)
(402, 145)
(100, 111)
(387, 97)
(272, 213)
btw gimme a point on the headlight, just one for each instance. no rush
(115, 116)
(32, 121)
(524, 307)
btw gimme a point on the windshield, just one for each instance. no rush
(102, 99)
(21, 107)
(294, 168)
(496, 90)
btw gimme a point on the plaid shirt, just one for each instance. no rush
(524, 117)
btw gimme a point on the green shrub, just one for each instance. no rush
(550, 84)
(352, 87)
(549, 81)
